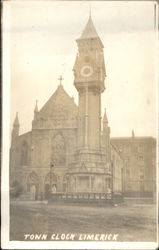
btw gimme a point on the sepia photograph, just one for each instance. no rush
(79, 125)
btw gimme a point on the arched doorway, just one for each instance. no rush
(33, 184)
(49, 180)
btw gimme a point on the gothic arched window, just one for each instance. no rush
(24, 154)
(48, 178)
(58, 150)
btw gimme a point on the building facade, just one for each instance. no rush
(139, 155)
(69, 147)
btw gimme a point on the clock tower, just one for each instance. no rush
(90, 171)
(89, 76)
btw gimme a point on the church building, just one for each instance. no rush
(69, 149)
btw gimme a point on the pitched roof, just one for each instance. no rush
(89, 30)
(59, 98)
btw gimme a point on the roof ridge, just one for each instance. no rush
(60, 89)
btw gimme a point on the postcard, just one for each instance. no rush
(79, 125)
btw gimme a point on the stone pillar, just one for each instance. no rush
(75, 184)
(86, 116)
(90, 183)
(100, 119)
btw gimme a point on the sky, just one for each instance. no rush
(43, 46)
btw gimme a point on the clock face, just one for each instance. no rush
(86, 71)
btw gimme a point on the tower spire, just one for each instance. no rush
(16, 120)
(36, 106)
(16, 126)
(105, 120)
(90, 10)
(106, 128)
(89, 30)
(36, 110)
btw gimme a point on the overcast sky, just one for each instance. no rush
(43, 47)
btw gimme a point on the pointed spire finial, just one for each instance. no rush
(16, 121)
(105, 116)
(89, 30)
(133, 134)
(90, 10)
(16, 126)
(36, 106)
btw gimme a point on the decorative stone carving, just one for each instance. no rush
(57, 112)
(32, 178)
(58, 154)
(48, 178)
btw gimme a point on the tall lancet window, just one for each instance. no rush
(58, 154)
(24, 153)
